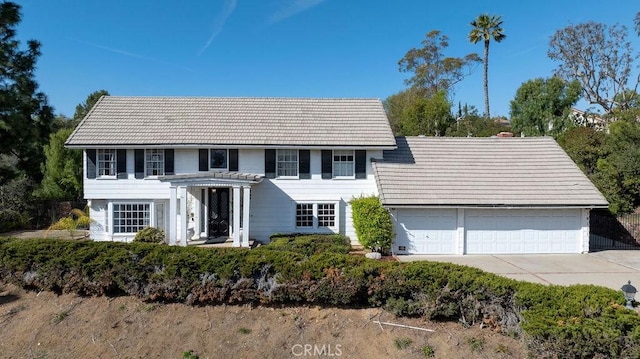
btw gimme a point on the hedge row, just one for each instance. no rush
(576, 321)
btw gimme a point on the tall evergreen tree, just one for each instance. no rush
(62, 169)
(485, 28)
(25, 116)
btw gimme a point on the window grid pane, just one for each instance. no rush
(304, 215)
(130, 218)
(287, 162)
(106, 162)
(326, 215)
(155, 162)
(343, 163)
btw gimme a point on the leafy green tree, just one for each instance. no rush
(541, 107)
(82, 109)
(25, 117)
(432, 70)
(484, 28)
(412, 115)
(585, 146)
(471, 124)
(618, 175)
(395, 106)
(601, 58)
(62, 169)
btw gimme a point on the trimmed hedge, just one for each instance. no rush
(575, 321)
(372, 223)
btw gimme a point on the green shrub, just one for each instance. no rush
(428, 351)
(372, 223)
(555, 321)
(310, 244)
(11, 220)
(403, 343)
(150, 235)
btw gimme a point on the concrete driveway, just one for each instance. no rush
(607, 268)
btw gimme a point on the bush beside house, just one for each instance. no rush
(372, 223)
(555, 321)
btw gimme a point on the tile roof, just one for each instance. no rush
(440, 171)
(234, 121)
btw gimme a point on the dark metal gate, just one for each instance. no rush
(609, 231)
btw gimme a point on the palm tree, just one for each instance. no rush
(485, 28)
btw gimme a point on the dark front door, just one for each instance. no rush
(218, 212)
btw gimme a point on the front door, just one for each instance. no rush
(218, 212)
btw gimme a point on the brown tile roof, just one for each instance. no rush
(440, 171)
(234, 121)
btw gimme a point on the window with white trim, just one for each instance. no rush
(218, 159)
(154, 162)
(287, 163)
(106, 162)
(343, 163)
(316, 215)
(304, 215)
(130, 217)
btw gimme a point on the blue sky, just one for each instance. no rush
(286, 48)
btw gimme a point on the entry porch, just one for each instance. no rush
(210, 208)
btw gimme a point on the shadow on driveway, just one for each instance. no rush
(610, 269)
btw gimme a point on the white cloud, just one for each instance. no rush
(219, 21)
(291, 8)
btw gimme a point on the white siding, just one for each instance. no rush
(272, 201)
(97, 213)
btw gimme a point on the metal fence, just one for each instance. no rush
(609, 231)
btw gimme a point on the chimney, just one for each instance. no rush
(505, 134)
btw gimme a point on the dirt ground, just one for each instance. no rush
(46, 325)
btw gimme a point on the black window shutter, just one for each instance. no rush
(270, 163)
(121, 167)
(327, 164)
(138, 163)
(361, 164)
(233, 160)
(91, 163)
(304, 158)
(203, 159)
(168, 162)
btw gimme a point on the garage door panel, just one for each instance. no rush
(426, 231)
(522, 231)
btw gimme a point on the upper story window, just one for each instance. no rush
(106, 162)
(287, 163)
(154, 162)
(218, 159)
(343, 163)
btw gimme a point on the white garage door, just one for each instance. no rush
(425, 231)
(522, 231)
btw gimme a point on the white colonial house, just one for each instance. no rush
(238, 168)
(241, 169)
